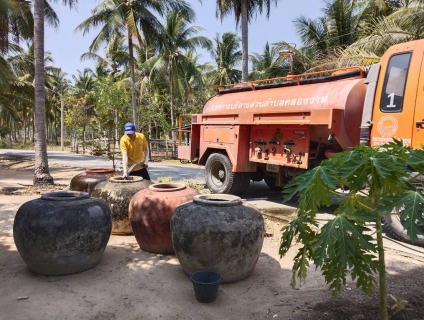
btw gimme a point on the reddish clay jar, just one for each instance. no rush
(87, 180)
(150, 213)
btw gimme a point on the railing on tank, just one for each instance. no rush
(183, 129)
(293, 79)
(186, 150)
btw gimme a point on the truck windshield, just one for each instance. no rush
(395, 82)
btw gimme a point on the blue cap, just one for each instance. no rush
(129, 128)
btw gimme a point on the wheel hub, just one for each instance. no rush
(221, 174)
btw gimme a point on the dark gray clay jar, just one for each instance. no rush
(118, 192)
(62, 232)
(220, 233)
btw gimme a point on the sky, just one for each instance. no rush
(66, 46)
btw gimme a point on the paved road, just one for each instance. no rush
(257, 190)
(86, 162)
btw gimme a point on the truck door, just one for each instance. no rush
(394, 107)
(418, 125)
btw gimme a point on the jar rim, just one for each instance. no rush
(167, 187)
(223, 200)
(100, 170)
(130, 179)
(65, 195)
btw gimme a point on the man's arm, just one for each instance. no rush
(146, 152)
(146, 156)
(125, 165)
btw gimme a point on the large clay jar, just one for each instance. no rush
(150, 214)
(62, 232)
(86, 181)
(118, 192)
(220, 233)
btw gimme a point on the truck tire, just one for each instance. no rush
(270, 182)
(220, 177)
(394, 225)
(243, 181)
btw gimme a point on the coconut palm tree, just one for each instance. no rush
(269, 64)
(227, 56)
(41, 172)
(244, 11)
(395, 22)
(84, 84)
(59, 85)
(343, 23)
(338, 27)
(17, 23)
(175, 36)
(405, 23)
(129, 17)
(115, 55)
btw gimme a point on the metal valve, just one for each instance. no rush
(258, 150)
(287, 150)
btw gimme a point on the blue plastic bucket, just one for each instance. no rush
(206, 285)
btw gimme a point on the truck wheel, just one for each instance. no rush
(257, 176)
(270, 181)
(393, 223)
(220, 177)
(243, 181)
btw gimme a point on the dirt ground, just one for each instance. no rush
(132, 284)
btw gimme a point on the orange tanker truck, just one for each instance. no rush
(275, 129)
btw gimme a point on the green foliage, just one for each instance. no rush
(346, 243)
(3, 144)
(400, 305)
(194, 184)
(96, 148)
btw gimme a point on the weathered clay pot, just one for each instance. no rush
(118, 192)
(220, 233)
(87, 180)
(150, 214)
(62, 232)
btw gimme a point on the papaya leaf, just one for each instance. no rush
(364, 266)
(315, 187)
(301, 264)
(416, 160)
(334, 275)
(358, 206)
(342, 245)
(300, 228)
(339, 238)
(409, 204)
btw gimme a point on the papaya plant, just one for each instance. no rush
(347, 242)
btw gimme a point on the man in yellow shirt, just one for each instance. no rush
(134, 149)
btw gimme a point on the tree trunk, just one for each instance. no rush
(382, 273)
(55, 128)
(171, 90)
(116, 142)
(24, 120)
(61, 123)
(244, 41)
(133, 94)
(83, 130)
(47, 128)
(41, 173)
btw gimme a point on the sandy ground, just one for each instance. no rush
(129, 283)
